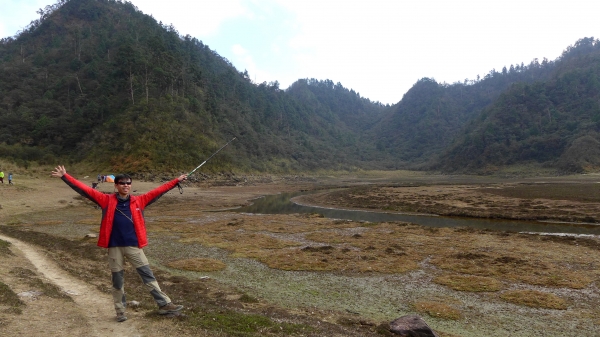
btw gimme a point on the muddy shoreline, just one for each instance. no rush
(495, 201)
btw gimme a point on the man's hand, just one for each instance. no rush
(182, 177)
(59, 171)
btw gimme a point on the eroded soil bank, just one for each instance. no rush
(305, 275)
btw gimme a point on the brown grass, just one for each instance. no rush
(469, 282)
(336, 259)
(534, 299)
(574, 191)
(437, 309)
(248, 245)
(198, 264)
(295, 242)
(520, 260)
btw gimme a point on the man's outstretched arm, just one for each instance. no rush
(153, 195)
(97, 197)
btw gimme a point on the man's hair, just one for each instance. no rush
(123, 176)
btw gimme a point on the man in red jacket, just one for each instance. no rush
(123, 232)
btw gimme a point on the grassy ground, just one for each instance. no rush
(307, 275)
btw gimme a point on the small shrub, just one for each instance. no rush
(248, 299)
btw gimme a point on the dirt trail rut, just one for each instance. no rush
(95, 306)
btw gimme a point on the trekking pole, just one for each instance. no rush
(204, 162)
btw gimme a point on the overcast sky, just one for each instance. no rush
(379, 48)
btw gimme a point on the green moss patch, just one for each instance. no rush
(240, 324)
(4, 248)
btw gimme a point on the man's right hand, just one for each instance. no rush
(59, 171)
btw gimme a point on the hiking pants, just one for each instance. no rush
(135, 256)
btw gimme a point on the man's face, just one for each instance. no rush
(123, 186)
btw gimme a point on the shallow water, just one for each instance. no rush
(282, 204)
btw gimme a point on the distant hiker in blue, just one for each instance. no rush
(10, 178)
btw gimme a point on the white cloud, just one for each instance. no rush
(382, 47)
(239, 50)
(244, 60)
(199, 18)
(243, 57)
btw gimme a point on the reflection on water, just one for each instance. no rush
(281, 204)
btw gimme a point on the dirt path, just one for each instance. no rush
(95, 306)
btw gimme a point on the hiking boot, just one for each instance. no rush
(169, 308)
(121, 317)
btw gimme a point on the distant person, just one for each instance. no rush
(10, 179)
(123, 232)
(99, 178)
(1, 177)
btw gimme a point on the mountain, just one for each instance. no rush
(554, 122)
(432, 115)
(98, 81)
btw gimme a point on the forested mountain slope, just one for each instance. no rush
(98, 81)
(431, 115)
(101, 81)
(554, 122)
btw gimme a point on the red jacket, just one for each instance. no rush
(108, 204)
